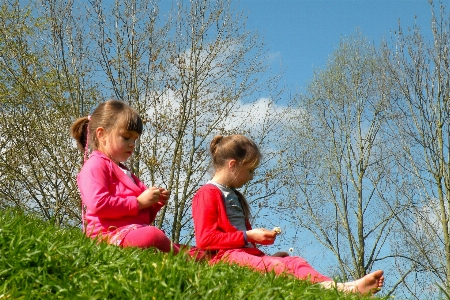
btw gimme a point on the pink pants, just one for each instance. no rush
(149, 236)
(294, 265)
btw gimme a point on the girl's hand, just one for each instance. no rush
(164, 196)
(261, 236)
(149, 197)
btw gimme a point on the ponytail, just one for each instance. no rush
(79, 131)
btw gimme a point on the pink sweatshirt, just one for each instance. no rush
(109, 196)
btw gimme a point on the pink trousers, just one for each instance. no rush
(149, 236)
(142, 236)
(294, 265)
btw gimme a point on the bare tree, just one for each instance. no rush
(213, 67)
(342, 164)
(420, 70)
(185, 75)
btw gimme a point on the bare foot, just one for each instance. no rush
(371, 283)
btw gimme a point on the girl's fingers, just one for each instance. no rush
(155, 190)
(165, 193)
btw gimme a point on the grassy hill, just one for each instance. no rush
(40, 261)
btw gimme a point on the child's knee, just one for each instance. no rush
(156, 233)
(146, 237)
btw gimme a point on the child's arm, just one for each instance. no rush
(209, 224)
(94, 183)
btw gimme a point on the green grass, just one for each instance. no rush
(40, 261)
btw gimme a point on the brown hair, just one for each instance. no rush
(237, 147)
(108, 115)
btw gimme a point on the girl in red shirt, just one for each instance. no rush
(221, 220)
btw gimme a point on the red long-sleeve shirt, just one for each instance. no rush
(213, 230)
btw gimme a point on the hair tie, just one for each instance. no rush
(86, 147)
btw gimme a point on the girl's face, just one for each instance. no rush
(242, 174)
(118, 144)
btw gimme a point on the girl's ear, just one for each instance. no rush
(232, 164)
(100, 133)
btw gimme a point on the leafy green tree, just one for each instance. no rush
(192, 72)
(36, 166)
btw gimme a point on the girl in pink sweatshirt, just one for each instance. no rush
(116, 206)
(222, 227)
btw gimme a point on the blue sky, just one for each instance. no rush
(301, 34)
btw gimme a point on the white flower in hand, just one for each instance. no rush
(277, 230)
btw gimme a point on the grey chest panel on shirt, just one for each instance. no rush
(235, 213)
